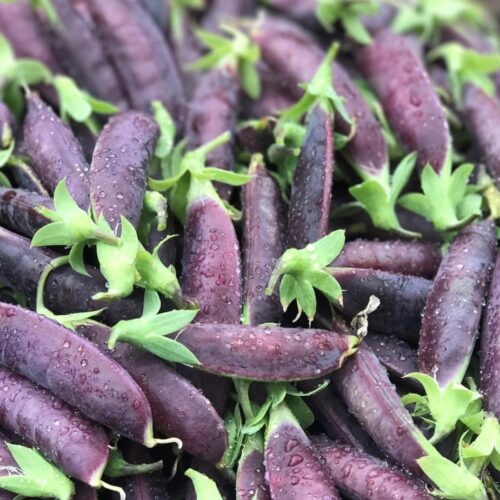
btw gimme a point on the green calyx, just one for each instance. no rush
(117, 466)
(204, 487)
(178, 13)
(442, 407)
(150, 332)
(303, 271)
(379, 195)
(467, 66)
(348, 13)
(35, 477)
(447, 201)
(237, 52)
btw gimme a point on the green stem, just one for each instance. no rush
(242, 389)
(51, 266)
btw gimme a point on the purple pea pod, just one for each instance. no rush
(54, 151)
(263, 244)
(119, 168)
(373, 400)
(490, 346)
(293, 469)
(66, 291)
(359, 475)
(74, 370)
(250, 477)
(453, 308)
(395, 256)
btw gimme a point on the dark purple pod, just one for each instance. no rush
(406, 92)
(263, 244)
(66, 291)
(212, 111)
(250, 477)
(395, 354)
(178, 408)
(490, 346)
(301, 11)
(452, 311)
(17, 210)
(359, 475)
(77, 445)
(416, 258)
(310, 201)
(402, 299)
(266, 354)
(221, 11)
(6, 460)
(54, 151)
(77, 43)
(293, 469)
(141, 55)
(74, 370)
(119, 168)
(159, 12)
(373, 400)
(482, 118)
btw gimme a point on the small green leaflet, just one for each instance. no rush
(302, 271)
(165, 144)
(37, 477)
(205, 488)
(117, 466)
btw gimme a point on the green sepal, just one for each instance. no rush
(204, 487)
(234, 423)
(76, 258)
(300, 410)
(47, 8)
(117, 264)
(446, 200)
(237, 52)
(117, 466)
(177, 15)
(150, 330)
(156, 204)
(6, 153)
(36, 477)
(166, 124)
(378, 196)
(302, 271)
(444, 407)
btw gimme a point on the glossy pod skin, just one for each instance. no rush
(264, 222)
(373, 400)
(178, 408)
(452, 311)
(402, 299)
(74, 370)
(119, 168)
(17, 210)
(415, 258)
(250, 478)
(310, 201)
(490, 346)
(482, 118)
(76, 41)
(140, 54)
(77, 445)
(407, 94)
(360, 476)
(54, 151)
(66, 291)
(212, 111)
(266, 354)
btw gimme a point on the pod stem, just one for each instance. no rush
(51, 266)
(116, 489)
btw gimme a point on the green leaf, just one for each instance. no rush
(117, 466)
(76, 258)
(99, 106)
(205, 488)
(250, 79)
(355, 28)
(7, 57)
(6, 153)
(300, 411)
(306, 299)
(326, 284)
(226, 176)
(72, 100)
(165, 144)
(29, 72)
(48, 9)
(401, 175)
(152, 303)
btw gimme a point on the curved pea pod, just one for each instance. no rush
(373, 400)
(408, 97)
(18, 210)
(66, 291)
(54, 151)
(266, 354)
(78, 446)
(402, 299)
(140, 54)
(250, 477)
(75, 370)
(119, 168)
(395, 354)
(360, 475)
(415, 258)
(490, 346)
(221, 11)
(309, 211)
(76, 41)
(293, 469)
(263, 244)
(482, 118)
(213, 110)
(453, 308)
(178, 408)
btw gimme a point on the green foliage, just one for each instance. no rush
(204, 487)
